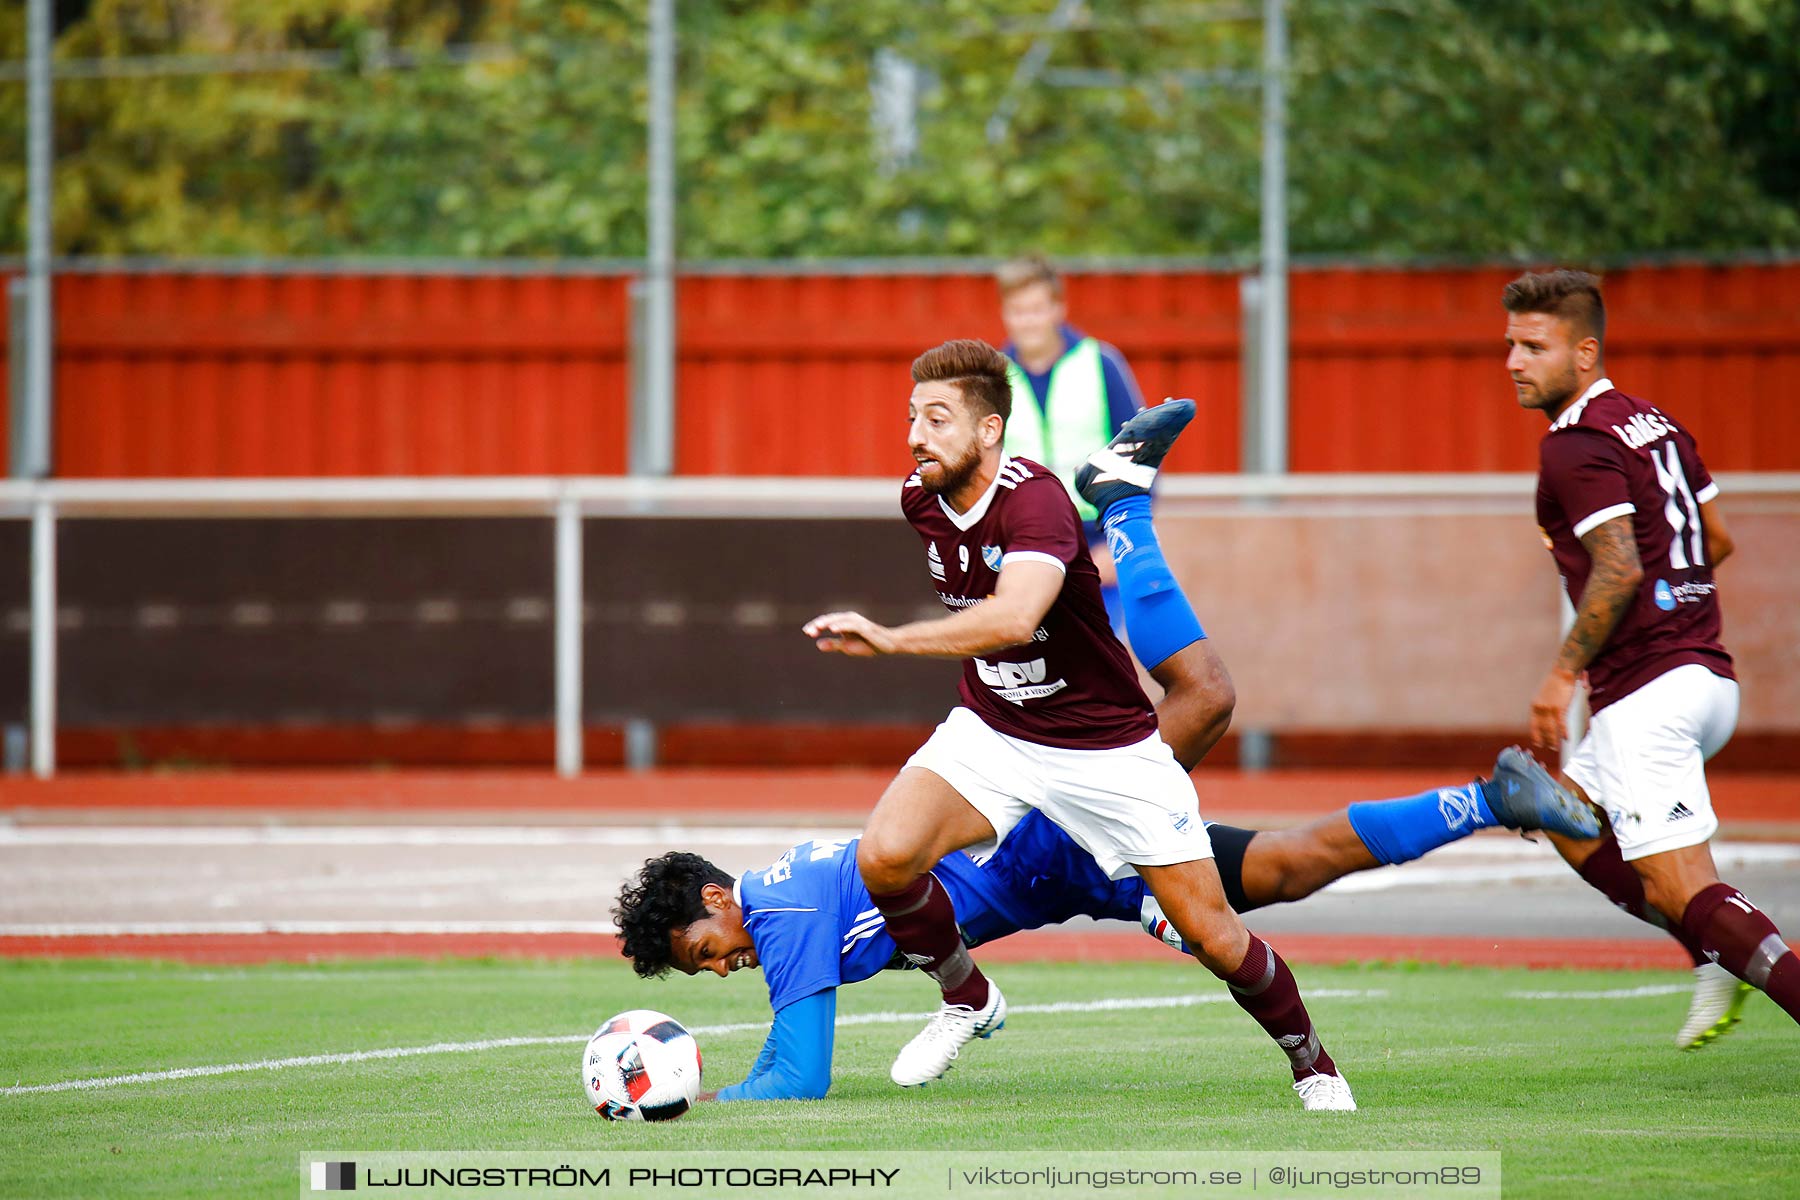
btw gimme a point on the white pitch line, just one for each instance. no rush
(1661, 989)
(356, 1056)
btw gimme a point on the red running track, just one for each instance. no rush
(732, 794)
(1275, 797)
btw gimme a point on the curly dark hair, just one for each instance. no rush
(663, 898)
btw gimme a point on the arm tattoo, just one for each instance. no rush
(1612, 585)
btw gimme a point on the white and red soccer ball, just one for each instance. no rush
(641, 1066)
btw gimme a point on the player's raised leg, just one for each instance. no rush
(1197, 701)
(1291, 864)
(1165, 634)
(1279, 866)
(919, 819)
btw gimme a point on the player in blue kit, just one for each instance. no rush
(807, 920)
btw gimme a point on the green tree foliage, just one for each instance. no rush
(1545, 128)
(877, 127)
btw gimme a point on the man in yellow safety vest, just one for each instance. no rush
(1070, 392)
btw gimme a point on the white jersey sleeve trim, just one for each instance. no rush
(1709, 492)
(1034, 556)
(1602, 517)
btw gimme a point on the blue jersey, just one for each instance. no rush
(815, 929)
(815, 926)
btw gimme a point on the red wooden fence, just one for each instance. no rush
(172, 374)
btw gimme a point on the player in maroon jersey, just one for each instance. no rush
(1051, 718)
(1632, 519)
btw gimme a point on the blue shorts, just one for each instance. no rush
(1039, 876)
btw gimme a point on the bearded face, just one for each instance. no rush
(1541, 358)
(944, 437)
(943, 475)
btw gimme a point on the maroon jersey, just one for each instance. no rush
(1610, 455)
(1073, 684)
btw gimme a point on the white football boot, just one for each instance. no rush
(1718, 1000)
(1325, 1093)
(930, 1054)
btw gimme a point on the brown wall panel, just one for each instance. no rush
(413, 622)
(1378, 624)
(699, 620)
(294, 621)
(15, 617)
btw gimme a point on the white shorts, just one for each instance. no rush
(1130, 806)
(1644, 759)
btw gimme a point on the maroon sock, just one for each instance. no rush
(1607, 871)
(921, 918)
(1739, 937)
(1265, 988)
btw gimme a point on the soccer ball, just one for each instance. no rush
(641, 1066)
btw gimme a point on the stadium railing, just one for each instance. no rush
(569, 500)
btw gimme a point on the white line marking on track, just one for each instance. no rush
(1663, 989)
(874, 1018)
(1492, 860)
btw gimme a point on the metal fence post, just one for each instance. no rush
(569, 605)
(1250, 387)
(20, 438)
(653, 408)
(43, 636)
(32, 450)
(1272, 359)
(1256, 746)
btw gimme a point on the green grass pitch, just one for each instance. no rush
(1583, 1097)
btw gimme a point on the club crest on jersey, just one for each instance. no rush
(991, 556)
(1182, 821)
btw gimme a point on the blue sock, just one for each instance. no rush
(1397, 831)
(1158, 617)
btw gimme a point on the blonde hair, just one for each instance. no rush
(1027, 269)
